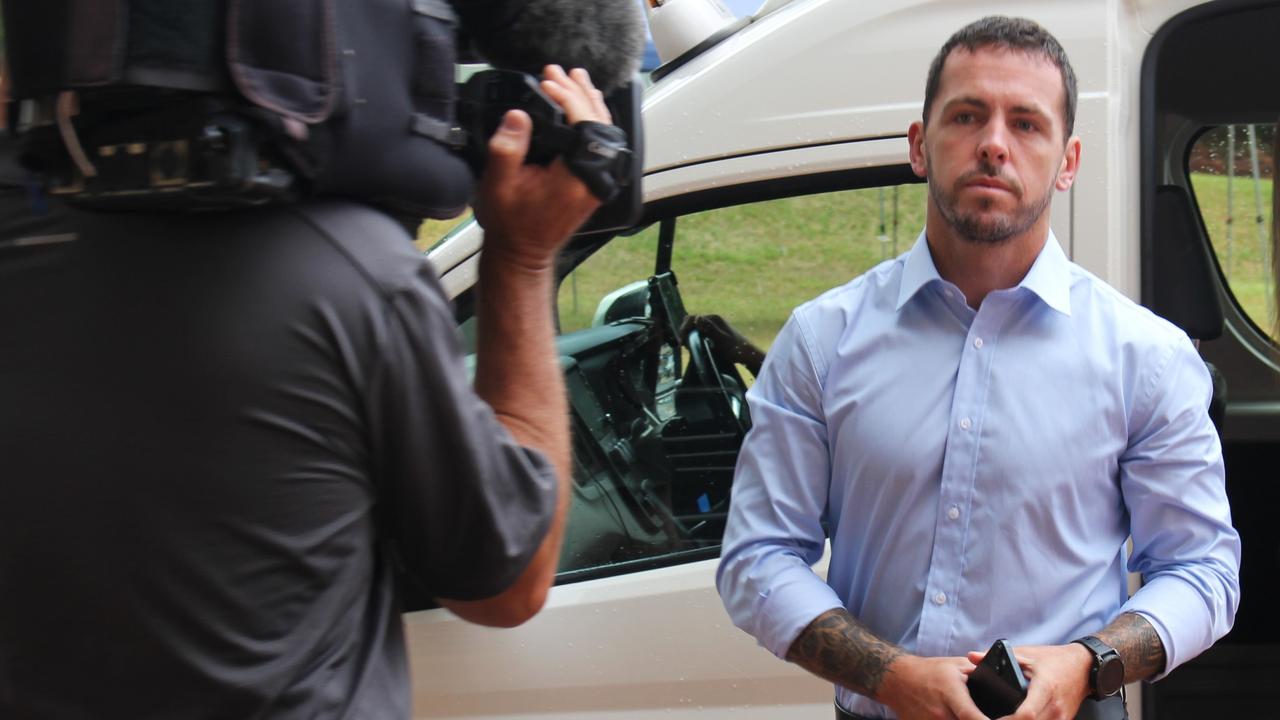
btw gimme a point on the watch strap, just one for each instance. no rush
(1102, 654)
(1096, 646)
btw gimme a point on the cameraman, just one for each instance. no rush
(221, 433)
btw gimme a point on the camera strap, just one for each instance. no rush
(443, 132)
(599, 157)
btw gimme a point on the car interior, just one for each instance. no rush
(657, 424)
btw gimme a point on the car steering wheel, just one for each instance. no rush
(702, 361)
(706, 373)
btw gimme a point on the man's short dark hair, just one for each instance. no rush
(1021, 34)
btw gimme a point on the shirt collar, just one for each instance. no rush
(917, 272)
(1049, 277)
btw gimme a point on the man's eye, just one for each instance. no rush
(1026, 126)
(964, 118)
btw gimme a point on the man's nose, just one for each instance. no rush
(993, 147)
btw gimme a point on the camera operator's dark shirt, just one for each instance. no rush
(211, 426)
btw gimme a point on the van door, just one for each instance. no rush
(1209, 264)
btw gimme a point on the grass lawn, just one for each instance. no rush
(1246, 258)
(431, 232)
(753, 264)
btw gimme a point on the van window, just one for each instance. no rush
(1232, 171)
(657, 433)
(753, 264)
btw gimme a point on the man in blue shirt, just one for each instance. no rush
(981, 425)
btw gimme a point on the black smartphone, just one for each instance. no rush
(997, 685)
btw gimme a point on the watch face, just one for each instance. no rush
(1110, 676)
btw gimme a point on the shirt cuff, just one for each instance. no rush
(1178, 614)
(795, 598)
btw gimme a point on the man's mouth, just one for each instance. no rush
(987, 182)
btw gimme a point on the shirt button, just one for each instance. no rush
(940, 599)
(953, 512)
(965, 424)
(977, 342)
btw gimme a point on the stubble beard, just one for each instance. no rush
(973, 226)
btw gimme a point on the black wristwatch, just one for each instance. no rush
(1106, 677)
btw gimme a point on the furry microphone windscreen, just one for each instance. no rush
(604, 36)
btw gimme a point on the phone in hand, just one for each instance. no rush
(997, 685)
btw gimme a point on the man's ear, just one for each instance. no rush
(1070, 165)
(915, 138)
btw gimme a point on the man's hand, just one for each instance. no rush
(929, 688)
(529, 211)
(839, 648)
(728, 344)
(1057, 680)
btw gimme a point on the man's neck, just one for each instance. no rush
(978, 268)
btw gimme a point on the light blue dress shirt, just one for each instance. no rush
(980, 471)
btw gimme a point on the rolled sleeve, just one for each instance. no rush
(465, 503)
(1173, 481)
(774, 532)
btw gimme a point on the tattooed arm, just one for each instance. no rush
(1138, 644)
(839, 648)
(1059, 674)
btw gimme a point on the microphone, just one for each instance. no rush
(606, 37)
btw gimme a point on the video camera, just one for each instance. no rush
(210, 104)
(609, 159)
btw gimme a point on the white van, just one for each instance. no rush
(776, 168)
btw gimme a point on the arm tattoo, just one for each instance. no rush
(1138, 644)
(836, 647)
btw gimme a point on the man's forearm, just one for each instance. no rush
(528, 212)
(1138, 645)
(517, 366)
(839, 648)
(518, 375)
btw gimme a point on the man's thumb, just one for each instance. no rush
(510, 142)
